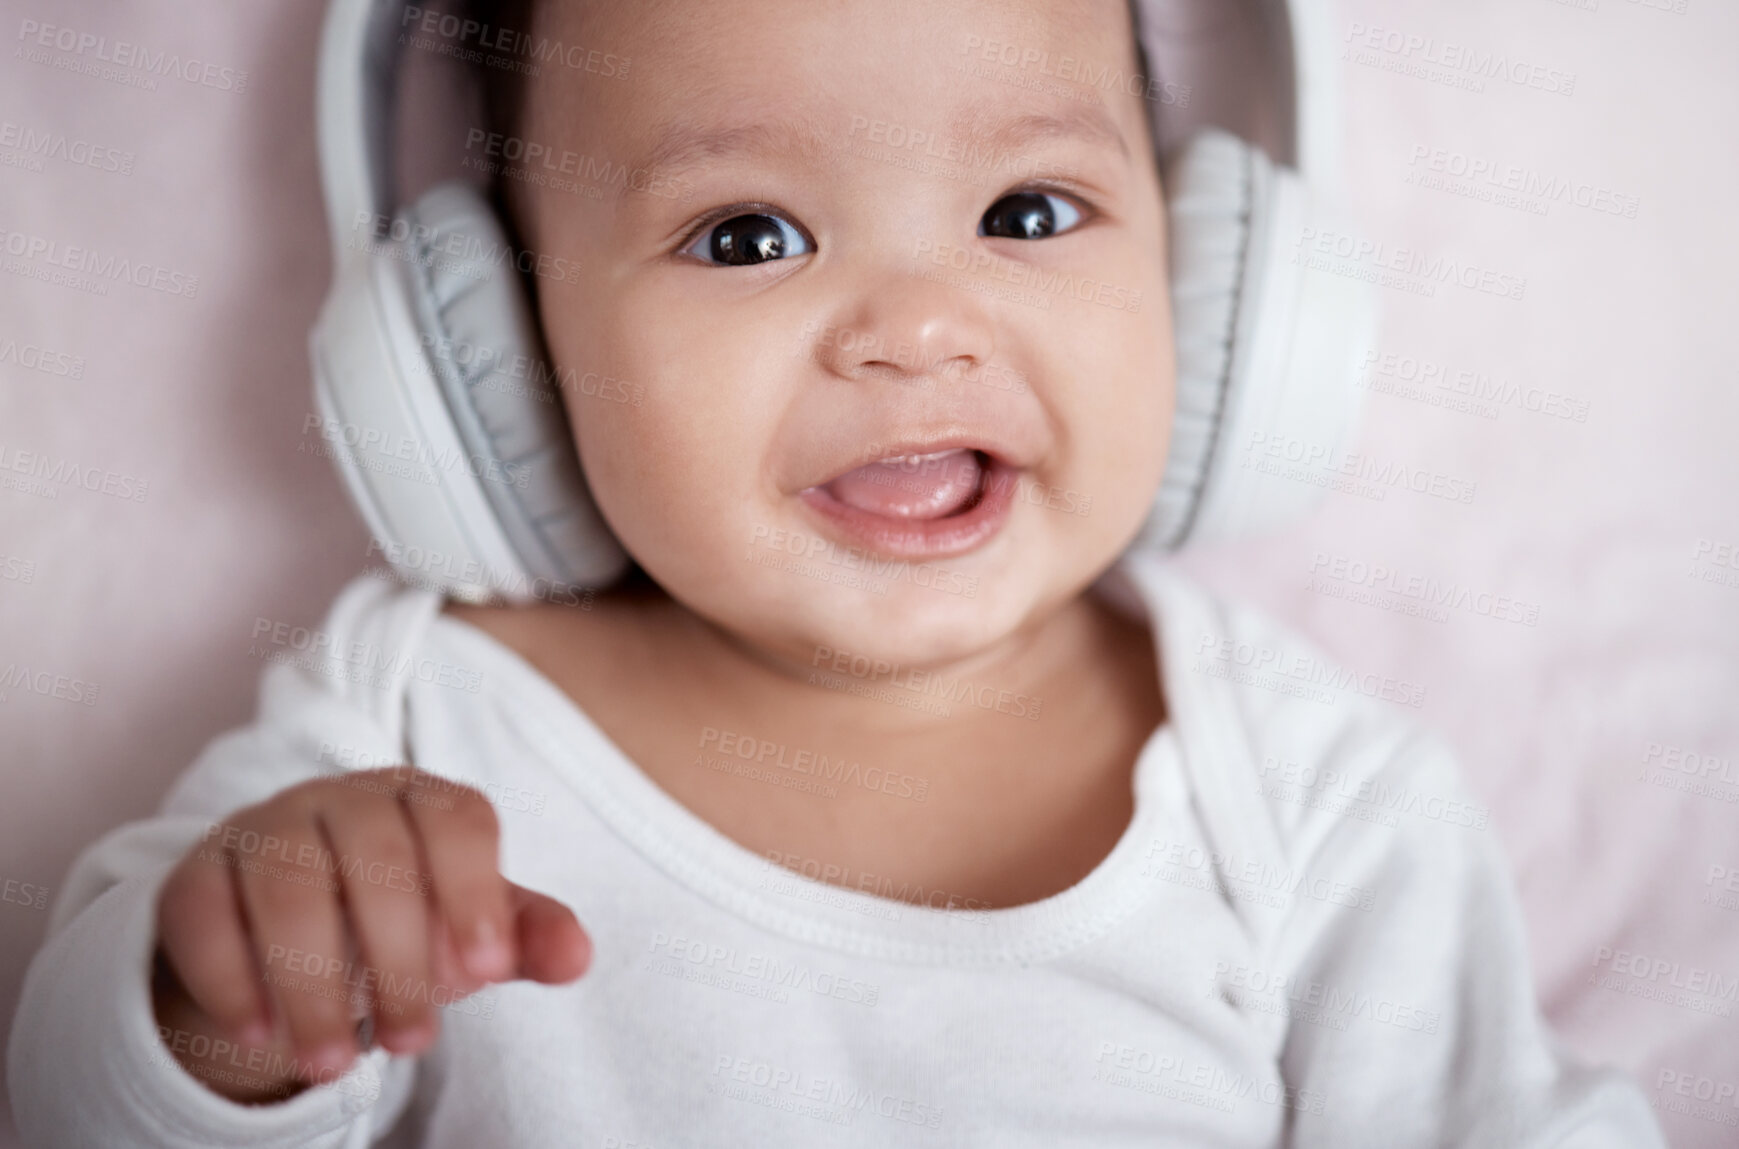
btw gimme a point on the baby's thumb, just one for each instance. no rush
(553, 949)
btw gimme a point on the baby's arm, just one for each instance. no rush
(88, 1064)
(91, 1062)
(1442, 1044)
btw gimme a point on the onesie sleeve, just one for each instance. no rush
(86, 1063)
(1408, 992)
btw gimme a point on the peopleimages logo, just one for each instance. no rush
(219, 1060)
(725, 964)
(1298, 674)
(1249, 879)
(1048, 282)
(920, 683)
(1380, 584)
(1255, 989)
(589, 171)
(418, 460)
(766, 752)
(1301, 782)
(1099, 76)
(434, 569)
(963, 152)
(420, 244)
(358, 660)
(48, 684)
(79, 261)
(1477, 392)
(44, 144)
(867, 567)
(1403, 268)
(819, 338)
(35, 465)
(418, 21)
(34, 358)
(1203, 1083)
(1445, 61)
(495, 369)
(87, 46)
(1481, 177)
(1357, 473)
(1660, 979)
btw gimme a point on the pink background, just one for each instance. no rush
(1595, 522)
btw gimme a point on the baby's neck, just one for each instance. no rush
(1048, 656)
(1014, 764)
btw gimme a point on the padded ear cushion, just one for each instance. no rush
(1292, 398)
(1215, 186)
(480, 342)
(464, 472)
(1266, 348)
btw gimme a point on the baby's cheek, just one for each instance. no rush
(662, 481)
(1124, 429)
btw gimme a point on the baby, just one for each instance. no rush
(759, 849)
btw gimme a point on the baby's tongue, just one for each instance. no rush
(911, 486)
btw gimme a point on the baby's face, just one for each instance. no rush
(888, 278)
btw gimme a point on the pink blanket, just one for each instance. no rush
(1571, 611)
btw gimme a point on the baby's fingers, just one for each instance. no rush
(386, 898)
(299, 935)
(449, 972)
(553, 949)
(205, 939)
(459, 837)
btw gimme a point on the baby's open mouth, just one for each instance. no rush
(918, 505)
(932, 486)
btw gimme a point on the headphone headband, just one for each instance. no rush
(355, 102)
(362, 47)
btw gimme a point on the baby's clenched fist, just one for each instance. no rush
(371, 894)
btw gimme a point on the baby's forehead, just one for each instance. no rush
(697, 78)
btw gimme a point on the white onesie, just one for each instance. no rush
(1305, 937)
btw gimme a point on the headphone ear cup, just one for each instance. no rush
(1266, 349)
(435, 398)
(1211, 190)
(481, 343)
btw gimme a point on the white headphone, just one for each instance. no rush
(431, 379)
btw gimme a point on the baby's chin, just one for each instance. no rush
(807, 611)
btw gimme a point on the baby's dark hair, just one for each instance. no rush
(505, 90)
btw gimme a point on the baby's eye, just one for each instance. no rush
(748, 239)
(1029, 215)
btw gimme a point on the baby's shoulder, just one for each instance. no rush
(362, 655)
(1312, 745)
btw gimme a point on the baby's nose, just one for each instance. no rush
(905, 323)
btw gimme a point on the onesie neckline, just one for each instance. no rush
(708, 863)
